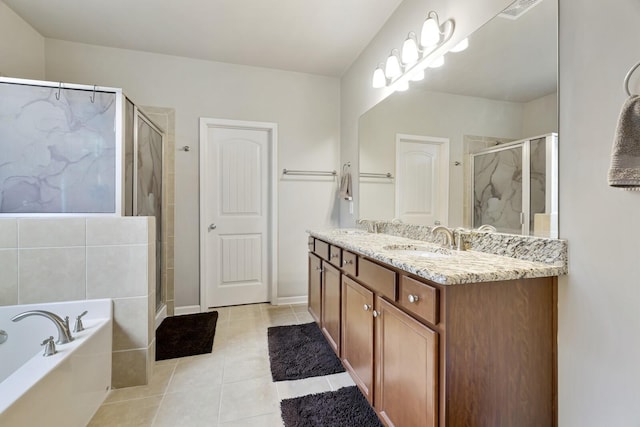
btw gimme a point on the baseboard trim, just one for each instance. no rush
(291, 300)
(187, 309)
(161, 315)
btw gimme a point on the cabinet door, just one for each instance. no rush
(357, 334)
(315, 287)
(331, 305)
(406, 369)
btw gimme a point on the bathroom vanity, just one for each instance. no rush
(434, 337)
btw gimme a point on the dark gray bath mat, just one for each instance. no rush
(187, 335)
(345, 407)
(300, 351)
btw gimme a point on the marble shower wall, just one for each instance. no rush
(58, 155)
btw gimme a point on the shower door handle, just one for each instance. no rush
(212, 227)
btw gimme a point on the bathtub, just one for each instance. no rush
(64, 389)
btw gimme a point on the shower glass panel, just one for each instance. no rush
(148, 185)
(58, 148)
(537, 186)
(497, 189)
(129, 112)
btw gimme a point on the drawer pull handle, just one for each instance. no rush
(345, 262)
(413, 299)
(367, 307)
(376, 313)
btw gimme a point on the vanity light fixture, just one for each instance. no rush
(410, 54)
(392, 68)
(379, 79)
(417, 54)
(431, 31)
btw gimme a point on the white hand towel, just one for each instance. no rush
(345, 186)
(625, 155)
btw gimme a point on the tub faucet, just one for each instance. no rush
(448, 235)
(64, 334)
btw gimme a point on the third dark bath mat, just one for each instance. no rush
(187, 335)
(300, 351)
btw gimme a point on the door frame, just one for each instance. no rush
(207, 123)
(444, 144)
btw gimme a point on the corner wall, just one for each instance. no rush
(68, 259)
(21, 47)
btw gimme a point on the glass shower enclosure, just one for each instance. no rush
(515, 187)
(78, 150)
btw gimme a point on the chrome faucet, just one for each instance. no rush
(486, 228)
(448, 235)
(64, 334)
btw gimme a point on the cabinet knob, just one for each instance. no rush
(376, 313)
(413, 299)
(319, 269)
(345, 262)
(367, 307)
(335, 255)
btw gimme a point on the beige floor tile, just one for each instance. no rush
(282, 319)
(134, 413)
(300, 308)
(278, 309)
(340, 380)
(297, 388)
(245, 399)
(269, 420)
(192, 373)
(157, 386)
(304, 317)
(193, 408)
(246, 365)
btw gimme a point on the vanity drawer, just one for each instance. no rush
(335, 256)
(321, 249)
(380, 279)
(310, 243)
(349, 263)
(419, 298)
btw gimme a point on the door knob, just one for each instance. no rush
(212, 227)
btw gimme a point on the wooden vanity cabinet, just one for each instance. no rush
(331, 306)
(358, 335)
(406, 393)
(315, 287)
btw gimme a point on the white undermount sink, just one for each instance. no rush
(419, 251)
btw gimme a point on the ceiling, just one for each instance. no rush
(319, 37)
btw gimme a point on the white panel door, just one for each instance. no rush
(422, 179)
(235, 215)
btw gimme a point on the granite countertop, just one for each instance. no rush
(435, 263)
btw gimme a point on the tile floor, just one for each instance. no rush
(230, 387)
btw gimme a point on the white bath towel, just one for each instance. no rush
(625, 156)
(345, 186)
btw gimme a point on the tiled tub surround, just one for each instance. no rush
(470, 266)
(68, 259)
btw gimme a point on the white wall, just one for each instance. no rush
(540, 116)
(21, 47)
(599, 301)
(306, 108)
(357, 96)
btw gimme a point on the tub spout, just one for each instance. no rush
(64, 334)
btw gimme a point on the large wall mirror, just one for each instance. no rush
(475, 142)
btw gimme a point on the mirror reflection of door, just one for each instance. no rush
(422, 179)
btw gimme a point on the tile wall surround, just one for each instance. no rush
(165, 119)
(526, 248)
(63, 259)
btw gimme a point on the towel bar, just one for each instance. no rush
(628, 76)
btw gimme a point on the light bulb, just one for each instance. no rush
(410, 50)
(438, 62)
(379, 79)
(416, 75)
(430, 35)
(460, 46)
(402, 86)
(392, 68)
